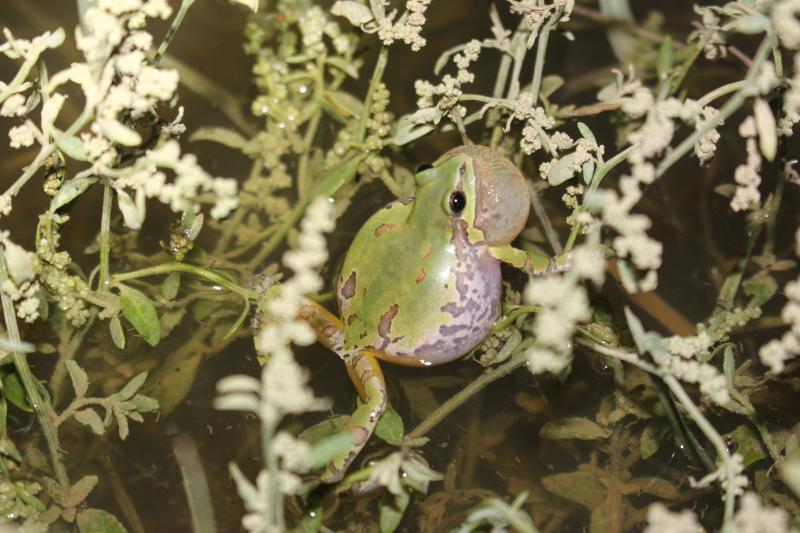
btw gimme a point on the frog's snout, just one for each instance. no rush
(502, 197)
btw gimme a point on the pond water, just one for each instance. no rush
(491, 444)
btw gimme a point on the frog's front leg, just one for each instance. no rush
(366, 375)
(532, 263)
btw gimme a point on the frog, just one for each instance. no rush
(421, 281)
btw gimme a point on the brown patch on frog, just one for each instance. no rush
(349, 288)
(363, 334)
(420, 276)
(364, 292)
(385, 325)
(352, 318)
(383, 228)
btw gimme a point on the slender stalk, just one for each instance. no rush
(311, 131)
(716, 441)
(730, 107)
(105, 233)
(541, 51)
(185, 268)
(173, 29)
(44, 412)
(377, 75)
(490, 376)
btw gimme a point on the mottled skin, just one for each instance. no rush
(421, 284)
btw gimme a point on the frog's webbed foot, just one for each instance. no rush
(365, 372)
(532, 263)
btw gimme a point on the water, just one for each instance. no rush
(491, 445)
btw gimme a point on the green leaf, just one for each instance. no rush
(341, 105)
(561, 170)
(650, 441)
(80, 491)
(573, 428)
(390, 426)
(80, 381)
(325, 428)
(131, 387)
(144, 404)
(664, 64)
(392, 508)
(71, 146)
(748, 445)
(586, 133)
(89, 417)
(98, 521)
(119, 133)
(760, 288)
(223, 136)
(345, 66)
(550, 84)
(767, 131)
(356, 12)
(170, 319)
(579, 487)
(117, 333)
(141, 313)
(14, 392)
(413, 126)
(171, 285)
(70, 190)
(327, 448)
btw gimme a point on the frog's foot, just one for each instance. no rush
(365, 372)
(532, 263)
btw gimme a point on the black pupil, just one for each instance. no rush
(424, 167)
(458, 202)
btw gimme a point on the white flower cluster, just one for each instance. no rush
(711, 382)
(119, 83)
(407, 30)
(712, 35)
(688, 347)
(751, 517)
(21, 285)
(776, 352)
(662, 520)
(449, 89)
(563, 303)
(283, 388)
(785, 21)
(535, 13)
(747, 175)
(722, 474)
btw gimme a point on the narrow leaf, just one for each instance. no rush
(573, 428)
(141, 313)
(90, 418)
(80, 381)
(98, 521)
(117, 333)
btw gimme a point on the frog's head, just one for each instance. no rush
(483, 188)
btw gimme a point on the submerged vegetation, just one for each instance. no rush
(636, 412)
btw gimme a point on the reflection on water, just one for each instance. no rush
(489, 446)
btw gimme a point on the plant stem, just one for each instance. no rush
(516, 361)
(377, 75)
(200, 272)
(716, 440)
(541, 51)
(44, 412)
(105, 231)
(730, 107)
(173, 29)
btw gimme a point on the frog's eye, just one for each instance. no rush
(458, 201)
(423, 167)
